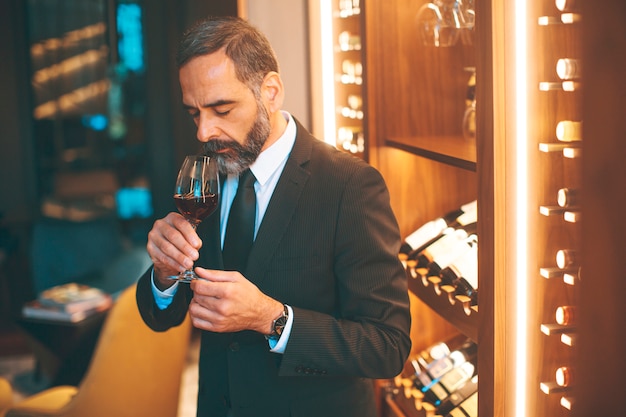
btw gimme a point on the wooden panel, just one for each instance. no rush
(604, 174)
(415, 110)
(548, 172)
(422, 189)
(490, 355)
(421, 89)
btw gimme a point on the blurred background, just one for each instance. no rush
(92, 133)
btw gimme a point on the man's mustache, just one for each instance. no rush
(217, 146)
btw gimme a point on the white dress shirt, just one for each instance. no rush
(267, 170)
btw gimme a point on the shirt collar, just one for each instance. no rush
(273, 157)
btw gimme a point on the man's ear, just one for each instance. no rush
(273, 92)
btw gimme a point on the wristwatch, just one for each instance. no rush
(278, 325)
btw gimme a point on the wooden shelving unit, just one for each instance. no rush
(454, 310)
(445, 149)
(415, 99)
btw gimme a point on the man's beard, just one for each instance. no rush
(238, 157)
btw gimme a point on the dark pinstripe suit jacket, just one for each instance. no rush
(328, 247)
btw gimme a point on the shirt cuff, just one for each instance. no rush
(278, 346)
(163, 298)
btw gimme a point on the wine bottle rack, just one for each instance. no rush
(455, 309)
(429, 168)
(558, 102)
(348, 79)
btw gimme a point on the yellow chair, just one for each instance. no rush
(134, 372)
(6, 395)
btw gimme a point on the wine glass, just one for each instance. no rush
(442, 22)
(196, 195)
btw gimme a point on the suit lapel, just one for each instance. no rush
(282, 205)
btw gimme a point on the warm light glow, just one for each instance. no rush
(68, 40)
(72, 65)
(328, 71)
(521, 198)
(72, 102)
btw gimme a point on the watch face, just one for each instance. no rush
(280, 323)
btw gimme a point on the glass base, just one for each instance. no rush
(185, 276)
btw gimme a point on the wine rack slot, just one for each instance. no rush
(556, 146)
(554, 329)
(455, 309)
(559, 86)
(567, 402)
(568, 339)
(552, 388)
(572, 216)
(563, 19)
(552, 210)
(555, 272)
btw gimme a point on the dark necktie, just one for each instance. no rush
(240, 227)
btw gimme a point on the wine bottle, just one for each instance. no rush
(468, 408)
(428, 371)
(434, 372)
(566, 315)
(432, 229)
(464, 267)
(568, 197)
(566, 5)
(421, 363)
(451, 238)
(444, 259)
(568, 69)
(569, 131)
(465, 273)
(566, 258)
(462, 232)
(450, 382)
(564, 376)
(413, 367)
(458, 396)
(437, 369)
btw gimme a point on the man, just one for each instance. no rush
(321, 306)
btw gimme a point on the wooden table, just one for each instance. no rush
(62, 350)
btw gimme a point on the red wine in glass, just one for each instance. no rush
(195, 209)
(196, 195)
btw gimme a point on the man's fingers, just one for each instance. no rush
(216, 275)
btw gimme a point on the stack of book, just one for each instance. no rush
(70, 302)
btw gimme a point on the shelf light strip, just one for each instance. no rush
(521, 178)
(328, 71)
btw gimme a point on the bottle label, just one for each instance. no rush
(445, 245)
(439, 367)
(466, 266)
(457, 377)
(425, 233)
(569, 131)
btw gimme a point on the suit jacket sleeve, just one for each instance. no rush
(157, 319)
(368, 334)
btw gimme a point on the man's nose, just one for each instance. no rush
(207, 129)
